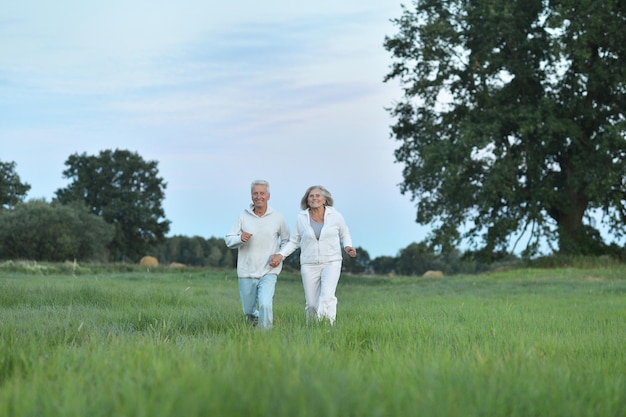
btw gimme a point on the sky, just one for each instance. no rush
(219, 94)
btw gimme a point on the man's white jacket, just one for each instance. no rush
(269, 234)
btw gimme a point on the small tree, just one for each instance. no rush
(384, 264)
(359, 264)
(418, 258)
(12, 189)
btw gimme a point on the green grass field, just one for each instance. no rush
(526, 342)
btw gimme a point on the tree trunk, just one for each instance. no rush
(572, 235)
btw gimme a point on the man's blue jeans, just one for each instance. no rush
(257, 296)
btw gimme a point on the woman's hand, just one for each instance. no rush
(350, 251)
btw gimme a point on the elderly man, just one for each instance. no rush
(257, 234)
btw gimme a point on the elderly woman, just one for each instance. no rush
(320, 233)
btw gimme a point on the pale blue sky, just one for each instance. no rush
(219, 93)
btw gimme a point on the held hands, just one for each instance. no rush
(245, 236)
(275, 260)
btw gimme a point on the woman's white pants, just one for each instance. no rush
(320, 283)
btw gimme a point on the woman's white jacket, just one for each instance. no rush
(333, 238)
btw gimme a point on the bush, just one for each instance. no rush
(40, 231)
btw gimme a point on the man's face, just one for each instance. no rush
(260, 195)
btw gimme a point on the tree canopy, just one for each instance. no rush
(12, 189)
(512, 120)
(125, 191)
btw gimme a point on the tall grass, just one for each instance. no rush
(518, 343)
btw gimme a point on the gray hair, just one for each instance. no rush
(260, 182)
(304, 203)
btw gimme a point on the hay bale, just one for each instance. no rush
(149, 261)
(177, 265)
(433, 274)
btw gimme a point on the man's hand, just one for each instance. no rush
(275, 260)
(245, 236)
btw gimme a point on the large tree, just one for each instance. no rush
(12, 189)
(512, 118)
(125, 191)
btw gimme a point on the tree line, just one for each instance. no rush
(415, 259)
(54, 232)
(111, 212)
(96, 218)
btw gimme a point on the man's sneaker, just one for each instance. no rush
(252, 319)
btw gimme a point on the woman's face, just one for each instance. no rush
(316, 198)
